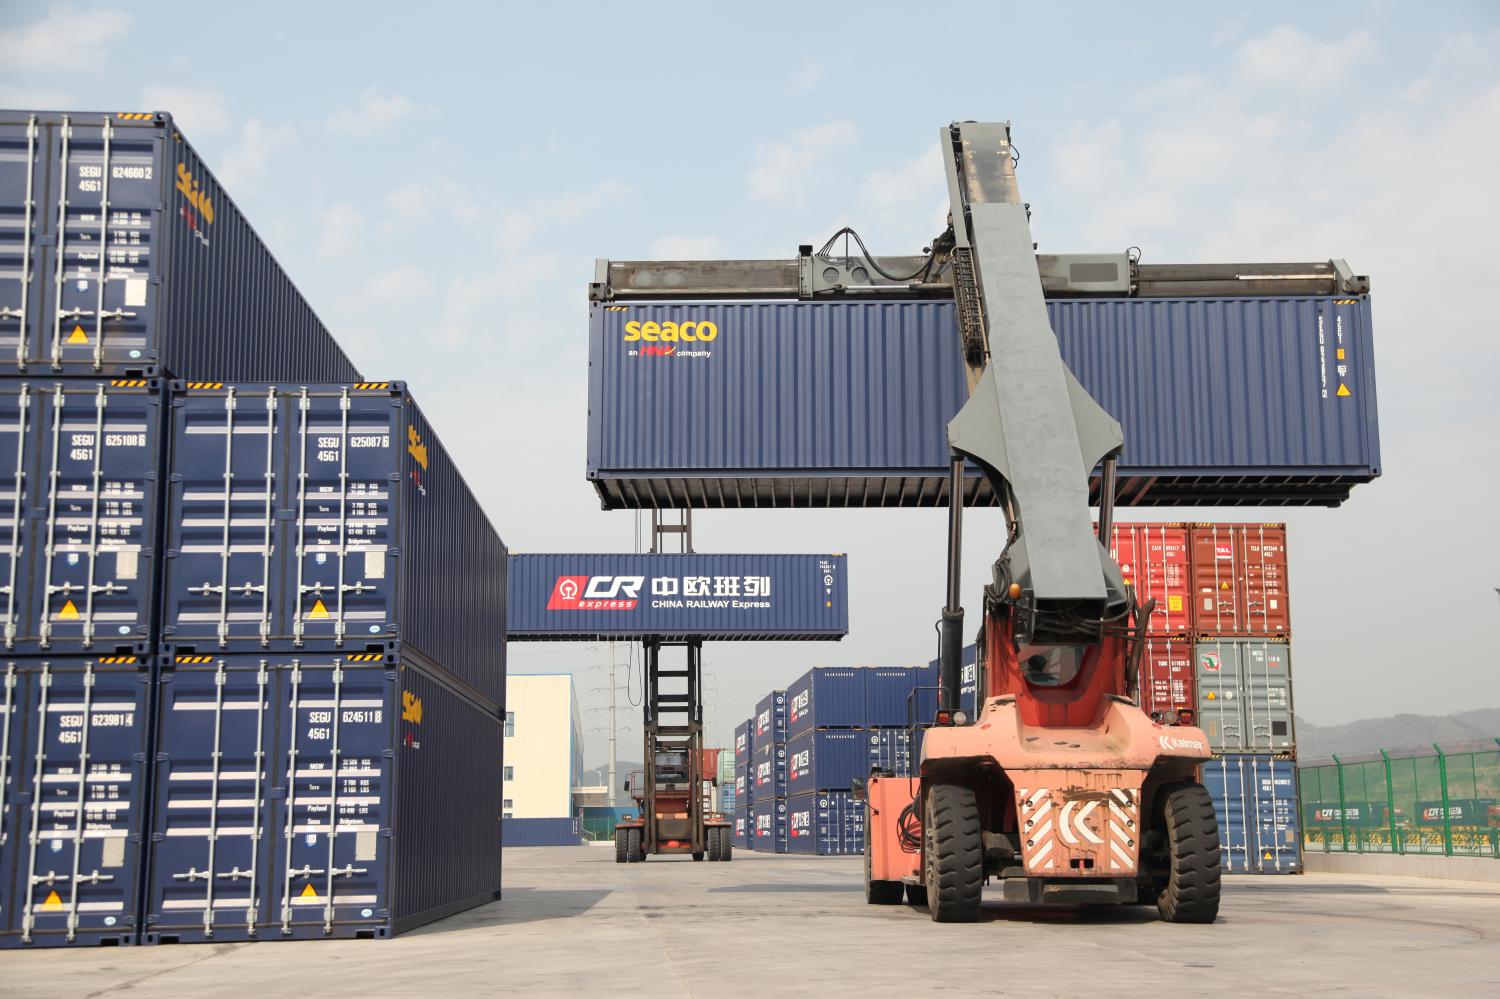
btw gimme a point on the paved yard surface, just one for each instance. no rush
(575, 923)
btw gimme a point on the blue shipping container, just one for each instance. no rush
(74, 740)
(744, 742)
(1253, 401)
(1255, 800)
(830, 823)
(968, 678)
(728, 800)
(825, 760)
(595, 597)
(744, 785)
(826, 697)
(769, 773)
(252, 840)
(889, 695)
(742, 825)
(770, 720)
(768, 833)
(368, 541)
(184, 286)
(80, 514)
(891, 749)
(564, 831)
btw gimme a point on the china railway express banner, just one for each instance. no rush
(592, 596)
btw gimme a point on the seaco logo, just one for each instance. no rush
(670, 332)
(411, 707)
(199, 204)
(596, 593)
(799, 704)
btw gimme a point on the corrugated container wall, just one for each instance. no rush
(742, 825)
(828, 824)
(768, 832)
(1240, 579)
(561, 831)
(769, 772)
(888, 696)
(80, 514)
(1255, 801)
(1245, 694)
(187, 288)
(76, 739)
(368, 541)
(1166, 683)
(770, 721)
(251, 839)
(744, 742)
(1256, 401)
(826, 697)
(825, 760)
(595, 597)
(1153, 560)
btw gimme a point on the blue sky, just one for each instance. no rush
(439, 178)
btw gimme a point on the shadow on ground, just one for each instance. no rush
(521, 905)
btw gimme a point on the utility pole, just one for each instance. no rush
(613, 777)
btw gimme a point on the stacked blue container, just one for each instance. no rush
(827, 708)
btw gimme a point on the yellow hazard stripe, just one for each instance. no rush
(365, 657)
(372, 385)
(195, 659)
(135, 116)
(616, 308)
(129, 383)
(1346, 301)
(205, 385)
(117, 660)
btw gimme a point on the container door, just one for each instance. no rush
(1216, 561)
(331, 853)
(79, 793)
(1264, 580)
(13, 814)
(1277, 846)
(1221, 712)
(23, 145)
(1162, 574)
(209, 848)
(17, 408)
(1225, 780)
(97, 284)
(1166, 680)
(226, 486)
(98, 454)
(345, 456)
(1267, 697)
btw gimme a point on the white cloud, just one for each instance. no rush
(400, 284)
(689, 248)
(340, 227)
(67, 39)
(199, 110)
(412, 202)
(375, 111)
(779, 177)
(253, 151)
(520, 226)
(1286, 55)
(40, 98)
(807, 78)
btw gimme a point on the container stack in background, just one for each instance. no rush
(727, 792)
(768, 771)
(744, 784)
(207, 618)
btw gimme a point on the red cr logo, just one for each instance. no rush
(596, 592)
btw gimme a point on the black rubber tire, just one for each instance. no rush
(916, 895)
(726, 845)
(636, 852)
(1191, 894)
(712, 835)
(955, 854)
(622, 846)
(877, 892)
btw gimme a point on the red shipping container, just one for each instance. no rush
(1240, 579)
(1153, 559)
(1166, 679)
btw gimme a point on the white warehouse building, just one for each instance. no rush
(543, 745)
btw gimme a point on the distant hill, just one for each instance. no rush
(1404, 731)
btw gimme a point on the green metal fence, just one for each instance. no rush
(1445, 800)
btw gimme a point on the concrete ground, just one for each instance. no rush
(575, 923)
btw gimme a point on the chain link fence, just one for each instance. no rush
(1444, 800)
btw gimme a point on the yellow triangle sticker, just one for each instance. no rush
(53, 900)
(319, 609)
(1344, 390)
(69, 611)
(308, 892)
(78, 335)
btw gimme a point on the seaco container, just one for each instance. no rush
(327, 518)
(314, 795)
(768, 773)
(1153, 558)
(744, 742)
(563, 831)
(74, 741)
(1166, 685)
(742, 824)
(1240, 579)
(183, 286)
(1255, 800)
(829, 823)
(79, 514)
(770, 720)
(1245, 694)
(595, 597)
(825, 760)
(1254, 401)
(826, 697)
(768, 826)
